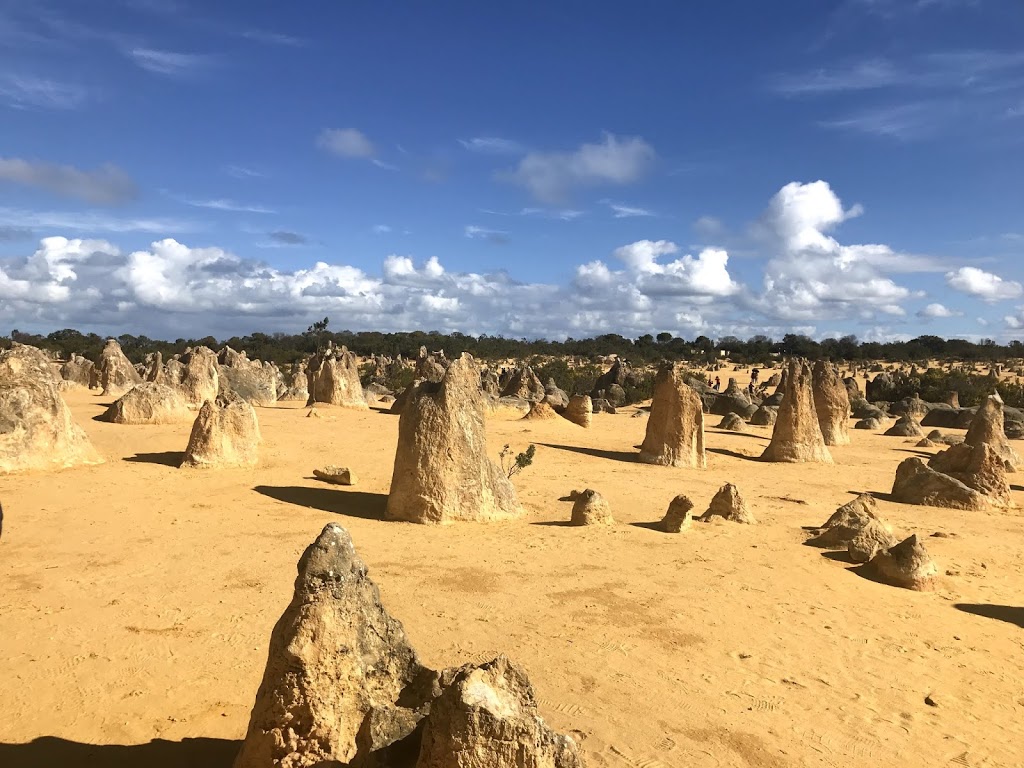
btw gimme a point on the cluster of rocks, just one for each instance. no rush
(344, 686)
(968, 475)
(591, 508)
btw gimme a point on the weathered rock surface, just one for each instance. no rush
(541, 411)
(832, 403)
(78, 370)
(733, 423)
(987, 428)
(335, 475)
(524, 384)
(907, 565)
(442, 472)
(728, 504)
(675, 429)
(905, 426)
(917, 483)
(580, 410)
(873, 538)
(797, 435)
(333, 378)
(678, 516)
(591, 508)
(117, 374)
(226, 433)
(36, 427)
(200, 378)
(976, 466)
(765, 416)
(872, 424)
(845, 523)
(149, 403)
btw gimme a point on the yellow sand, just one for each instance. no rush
(136, 600)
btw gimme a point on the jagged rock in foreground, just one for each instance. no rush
(870, 423)
(117, 374)
(873, 538)
(541, 411)
(335, 475)
(343, 687)
(797, 435)
(847, 522)
(678, 516)
(442, 471)
(988, 428)
(917, 483)
(149, 403)
(675, 429)
(580, 410)
(732, 422)
(78, 370)
(978, 467)
(907, 565)
(591, 508)
(486, 717)
(832, 403)
(728, 504)
(36, 428)
(226, 433)
(905, 426)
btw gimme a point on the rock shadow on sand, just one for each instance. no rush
(166, 458)
(1011, 614)
(369, 506)
(599, 453)
(734, 454)
(50, 751)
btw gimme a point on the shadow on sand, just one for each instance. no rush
(734, 454)
(166, 458)
(597, 452)
(655, 526)
(1011, 614)
(556, 523)
(50, 751)
(369, 506)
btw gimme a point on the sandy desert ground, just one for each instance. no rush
(136, 600)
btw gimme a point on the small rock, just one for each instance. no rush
(930, 700)
(591, 508)
(335, 475)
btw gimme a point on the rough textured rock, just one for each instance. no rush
(155, 372)
(845, 523)
(917, 483)
(333, 378)
(486, 717)
(728, 504)
(675, 429)
(987, 428)
(342, 685)
(226, 433)
(524, 384)
(925, 442)
(905, 426)
(832, 403)
(732, 422)
(36, 427)
(541, 411)
(591, 508)
(442, 471)
(430, 367)
(580, 410)
(335, 475)
(862, 409)
(765, 416)
(554, 396)
(117, 374)
(797, 435)
(976, 466)
(200, 378)
(873, 538)
(678, 516)
(907, 565)
(255, 381)
(149, 403)
(872, 424)
(733, 400)
(78, 370)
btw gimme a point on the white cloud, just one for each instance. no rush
(983, 285)
(169, 62)
(708, 227)
(550, 176)
(381, 229)
(474, 232)
(90, 221)
(621, 211)
(27, 92)
(107, 185)
(243, 172)
(345, 142)
(229, 205)
(937, 310)
(492, 145)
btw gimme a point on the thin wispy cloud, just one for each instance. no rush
(273, 38)
(381, 229)
(345, 142)
(29, 92)
(622, 211)
(91, 221)
(492, 145)
(243, 172)
(496, 236)
(108, 185)
(170, 63)
(224, 204)
(564, 214)
(902, 121)
(382, 164)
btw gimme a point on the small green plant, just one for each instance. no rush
(522, 460)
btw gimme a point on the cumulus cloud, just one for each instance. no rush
(108, 185)
(346, 142)
(937, 310)
(983, 285)
(550, 176)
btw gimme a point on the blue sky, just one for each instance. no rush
(181, 168)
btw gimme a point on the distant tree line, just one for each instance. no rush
(285, 348)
